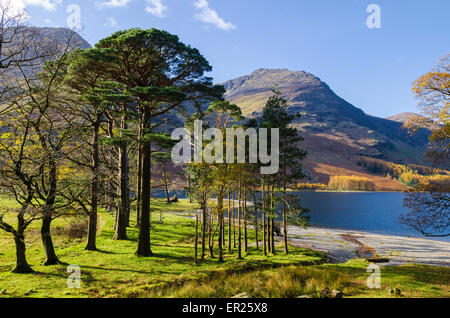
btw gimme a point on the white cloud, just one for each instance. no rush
(157, 8)
(48, 21)
(112, 4)
(18, 6)
(208, 15)
(49, 5)
(111, 22)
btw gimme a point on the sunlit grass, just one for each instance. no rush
(294, 281)
(114, 270)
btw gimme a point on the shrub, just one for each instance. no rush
(77, 228)
(412, 179)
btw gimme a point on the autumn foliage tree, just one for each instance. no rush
(432, 91)
(429, 200)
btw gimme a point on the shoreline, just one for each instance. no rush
(368, 232)
(343, 245)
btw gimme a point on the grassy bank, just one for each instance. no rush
(414, 281)
(114, 270)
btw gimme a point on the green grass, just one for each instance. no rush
(414, 281)
(115, 271)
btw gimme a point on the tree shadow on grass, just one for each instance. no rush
(99, 250)
(117, 269)
(178, 259)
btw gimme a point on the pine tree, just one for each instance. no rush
(275, 115)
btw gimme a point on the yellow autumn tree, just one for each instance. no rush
(346, 183)
(428, 201)
(432, 90)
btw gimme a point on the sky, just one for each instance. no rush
(368, 57)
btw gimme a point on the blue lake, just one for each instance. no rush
(375, 212)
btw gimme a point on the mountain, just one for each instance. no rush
(61, 35)
(402, 117)
(48, 37)
(336, 132)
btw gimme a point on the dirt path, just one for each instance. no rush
(363, 251)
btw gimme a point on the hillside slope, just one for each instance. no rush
(61, 35)
(336, 132)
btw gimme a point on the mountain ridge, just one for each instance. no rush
(402, 117)
(62, 35)
(336, 132)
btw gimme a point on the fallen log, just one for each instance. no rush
(378, 260)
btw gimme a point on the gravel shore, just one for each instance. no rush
(343, 245)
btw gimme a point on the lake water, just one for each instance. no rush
(375, 212)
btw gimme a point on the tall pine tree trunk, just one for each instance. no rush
(121, 225)
(205, 224)
(224, 241)
(128, 214)
(263, 208)
(189, 186)
(123, 197)
(285, 234)
(273, 218)
(196, 241)
(239, 222)
(245, 221)
(166, 185)
(92, 223)
(256, 218)
(221, 223)
(139, 181)
(229, 221)
(144, 245)
(211, 235)
(234, 222)
(269, 237)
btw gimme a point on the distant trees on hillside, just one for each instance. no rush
(346, 183)
(410, 175)
(311, 186)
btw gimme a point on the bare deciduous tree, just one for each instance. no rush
(429, 201)
(429, 206)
